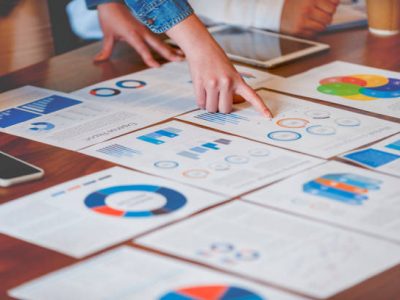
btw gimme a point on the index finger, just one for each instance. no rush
(252, 97)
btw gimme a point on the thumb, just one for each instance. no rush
(106, 51)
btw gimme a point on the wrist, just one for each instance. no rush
(193, 37)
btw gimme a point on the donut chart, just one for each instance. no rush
(361, 87)
(284, 135)
(105, 92)
(166, 164)
(321, 130)
(348, 122)
(292, 123)
(211, 292)
(130, 84)
(96, 201)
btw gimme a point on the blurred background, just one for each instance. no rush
(34, 30)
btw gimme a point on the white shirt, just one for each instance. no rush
(264, 14)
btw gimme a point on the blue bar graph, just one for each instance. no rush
(211, 146)
(222, 119)
(15, 116)
(395, 145)
(189, 155)
(118, 151)
(348, 188)
(223, 141)
(355, 180)
(199, 149)
(49, 104)
(155, 137)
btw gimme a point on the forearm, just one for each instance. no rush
(192, 37)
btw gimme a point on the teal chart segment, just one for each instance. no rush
(96, 201)
(212, 292)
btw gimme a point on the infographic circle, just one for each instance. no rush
(211, 292)
(392, 86)
(318, 114)
(340, 89)
(344, 79)
(237, 159)
(372, 80)
(321, 130)
(41, 126)
(196, 174)
(166, 164)
(284, 136)
(369, 92)
(292, 123)
(348, 122)
(259, 152)
(105, 92)
(220, 166)
(222, 247)
(361, 87)
(247, 255)
(96, 201)
(130, 84)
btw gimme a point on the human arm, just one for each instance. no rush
(215, 79)
(308, 17)
(118, 24)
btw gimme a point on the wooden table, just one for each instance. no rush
(21, 261)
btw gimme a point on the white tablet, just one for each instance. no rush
(262, 48)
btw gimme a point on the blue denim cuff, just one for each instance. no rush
(160, 15)
(92, 4)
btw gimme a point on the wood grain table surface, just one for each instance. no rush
(21, 261)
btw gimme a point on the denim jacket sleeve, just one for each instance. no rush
(92, 4)
(160, 15)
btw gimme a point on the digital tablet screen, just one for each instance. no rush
(256, 45)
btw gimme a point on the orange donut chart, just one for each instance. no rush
(292, 123)
(196, 173)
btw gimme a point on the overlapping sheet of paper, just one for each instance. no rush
(82, 216)
(274, 247)
(65, 120)
(370, 89)
(299, 125)
(166, 89)
(383, 156)
(340, 194)
(219, 162)
(127, 273)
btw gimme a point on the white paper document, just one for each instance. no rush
(126, 273)
(299, 125)
(178, 73)
(370, 89)
(289, 251)
(201, 157)
(65, 120)
(340, 194)
(166, 90)
(93, 212)
(158, 91)
(383, 156)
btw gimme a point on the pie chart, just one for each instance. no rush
(212, 292)
(96, 201)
